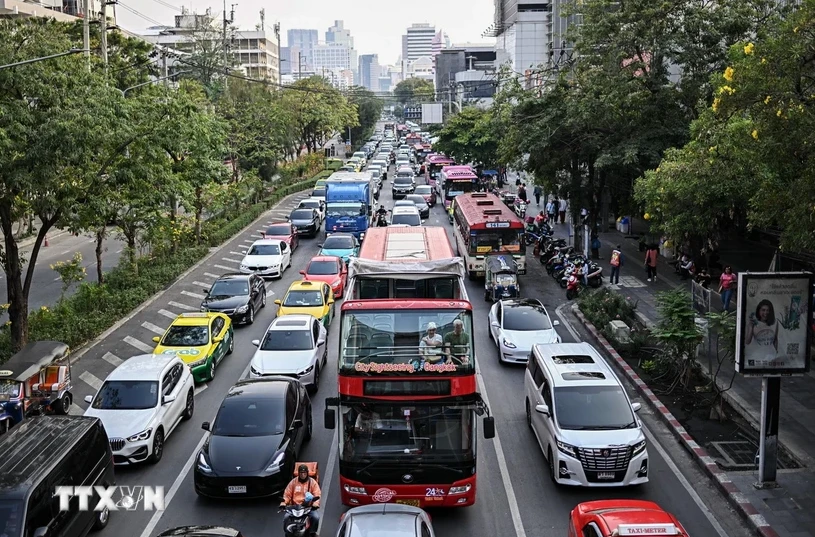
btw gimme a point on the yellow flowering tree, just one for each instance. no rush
(70, 272)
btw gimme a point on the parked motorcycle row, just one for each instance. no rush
(570, 268)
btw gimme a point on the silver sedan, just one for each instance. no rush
(393, 519)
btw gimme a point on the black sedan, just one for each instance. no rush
(307, 221)
(254, 442)
(236, 295)
(420, 203)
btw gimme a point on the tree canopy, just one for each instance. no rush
(470, 136)
(414, 90)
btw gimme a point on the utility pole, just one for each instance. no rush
(279, 53)
(86, 31)
(227, 22)
(164, 73)
(299, 65)
(103, 32)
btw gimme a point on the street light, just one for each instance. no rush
(124, 91)
(35, 60)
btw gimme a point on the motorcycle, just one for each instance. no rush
(594, 277)
(573, 287)
(296, 521)
(381, 220)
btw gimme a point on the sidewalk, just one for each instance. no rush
(789, 509)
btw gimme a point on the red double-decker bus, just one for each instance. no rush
(408, 399)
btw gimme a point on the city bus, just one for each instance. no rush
(407, 414)
(433, 165)
(484, 225)
(455, 181)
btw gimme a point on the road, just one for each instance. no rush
(515, 495)
(46, 287)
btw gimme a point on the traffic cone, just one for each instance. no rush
(46, 241)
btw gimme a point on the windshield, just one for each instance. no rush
(304, 214)
(411, 219)
(424, 190)
(593, 407)
(9, 389)
(496, 241)
(264, 249)
(453, 189)
(186, 336)
(288, 340)
(230, 288)
(345, 209)
(338, 243)
(323, 268)
(247, 416)
(279, 230)
(127, 395)
(392, 342)
(392, 431)
(525, 318)
(303, 298)
(11, 518)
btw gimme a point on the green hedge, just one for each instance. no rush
(95, 308)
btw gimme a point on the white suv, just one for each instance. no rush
(583, 419)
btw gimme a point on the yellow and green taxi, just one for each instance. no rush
(309, 298)
(201, 340)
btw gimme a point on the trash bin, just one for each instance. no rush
(624, 225)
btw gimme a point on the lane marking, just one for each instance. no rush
(153, 328)
(211, 275)
(202, 284)
(91, 380)
(168, 314)
(147, 349)
(58, 278)
(269, 292)
(181, 306)
(565, 322)
(260, 231)
(76, 410)
(228, 269)
(200, 388)
(112, 359)
(247, 241)
(66, 252)
(230, 260)
(236, 253)
(119, 251)
(256, 236)
(194, 295)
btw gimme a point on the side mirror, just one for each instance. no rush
(156, 339)
(41, 531)
(489, 427)
(243, 252)
(330, 301)
(206, 290)
(217, 339)
(89, 399)
(205, 426)
(278, 302)
(495, 324)
(296, 424)
(302, 272)
(167, 399)
(256, 342)
(543, 409)
(636, 407)
(320, 341)
(320, 245)
(288, 218)
(555, 323)
(329, 418)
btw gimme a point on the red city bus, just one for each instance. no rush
(408, 412)
(484, 225)
(433, 165)
(455, 181)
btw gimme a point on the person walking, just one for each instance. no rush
(727, 284)
(551, 210)
(651, 262)
(538, 191)
(522, 193)
(562, 209)
(616, 262)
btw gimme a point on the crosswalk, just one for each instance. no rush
(188, 299)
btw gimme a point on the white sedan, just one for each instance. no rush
(140, 403)
(267, 258)
(517, 324)
(294, 345)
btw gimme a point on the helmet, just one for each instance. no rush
(302, 468)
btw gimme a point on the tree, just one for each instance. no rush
(369, 110)
(414, 90)
(470, 136)
(319, 111)
(54, 118)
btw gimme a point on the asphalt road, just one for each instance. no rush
(515, 495)
(46, 286)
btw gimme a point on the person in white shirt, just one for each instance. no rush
(562, 209)
(431, 344)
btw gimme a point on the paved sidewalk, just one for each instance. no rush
(789, 509)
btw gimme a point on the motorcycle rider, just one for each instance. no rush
(381, 215)
(295, 494)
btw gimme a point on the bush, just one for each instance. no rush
(603, 306)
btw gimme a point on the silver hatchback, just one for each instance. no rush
(399, 521)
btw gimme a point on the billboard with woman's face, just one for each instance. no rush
(773, 323)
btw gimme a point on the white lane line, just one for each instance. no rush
(119, 251)
(236, 253)
(565, 322)
(202, 284)
(230, 260)
(91, 380)
(153, 328)
(329, 473)
(210, 275)
(256, 236)
(247, 241)
(261, 231)
(502, 465)
(112, 359)
(685, 483)
(58, 278)
(138, 344)
(194, 295)
(269, 292)
(228, 269)
(168, 314)
(181, 306)
(200, 388)
(66, 252)
(75, 410)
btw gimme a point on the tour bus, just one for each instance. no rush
(456, 180)
(433, 165)
(407, 411)
(484, 225)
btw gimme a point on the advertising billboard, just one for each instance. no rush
(432, 113)
(773, 323)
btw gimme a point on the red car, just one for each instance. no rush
(329, 269)
(283, 231)
(611, 518)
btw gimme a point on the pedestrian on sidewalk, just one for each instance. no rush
(616, 262)
(562, 209)
(551, 210)
(522, 193)
(651, 256)
(727, 284)
(538, 192)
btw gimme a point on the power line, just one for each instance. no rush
(139, 14)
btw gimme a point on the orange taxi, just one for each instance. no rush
(329, 269)
(613, 518)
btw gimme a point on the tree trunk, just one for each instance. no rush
(199, 209)
(173, 219)
(101, 233)
(130, 235)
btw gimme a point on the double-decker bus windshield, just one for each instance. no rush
(407, 342)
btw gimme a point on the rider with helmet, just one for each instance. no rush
(381, 216)
(301, 489)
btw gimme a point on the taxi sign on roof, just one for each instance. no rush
(647, 529)
(194, 315)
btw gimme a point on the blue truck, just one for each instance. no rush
(349, 199)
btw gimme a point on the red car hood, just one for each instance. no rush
(286, 238)
(327, 278)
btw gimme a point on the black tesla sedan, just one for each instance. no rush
(306, 221)
(254, 441)
(236, 295)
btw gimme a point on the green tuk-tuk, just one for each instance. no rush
(36, 380)
(501, 278)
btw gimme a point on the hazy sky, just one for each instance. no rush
(376, 25)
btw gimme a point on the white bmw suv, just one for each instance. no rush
(583, 419)
(140, 403)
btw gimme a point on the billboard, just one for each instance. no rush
(432, 113)
(773, 323)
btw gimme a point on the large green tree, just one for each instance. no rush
(369, 110)
(414, 90)
(470, 136)
(318, 110)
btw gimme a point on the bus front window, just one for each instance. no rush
(496, 241)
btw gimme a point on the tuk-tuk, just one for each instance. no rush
(508, 198)
(489, 179)
(501, 278)
(36, 380)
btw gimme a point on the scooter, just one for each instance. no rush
(299, 523)
(573, 286)
(381, 221)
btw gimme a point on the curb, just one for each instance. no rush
(700, 454)
(81, 351)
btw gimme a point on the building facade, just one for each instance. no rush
(369, 71)
(341, 35)
(466, 71)
(525, 33)
(417, 42)
(301, 43)
(331, 57)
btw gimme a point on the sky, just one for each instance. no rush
(377, 26)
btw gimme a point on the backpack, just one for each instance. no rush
(615, 259)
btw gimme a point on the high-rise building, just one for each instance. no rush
(331, 57)
(369, 71)
(301, 41)
(286, 66)
(342, 35)
(528, 33)
(418, 42)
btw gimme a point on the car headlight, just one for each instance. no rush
(242, 309)
(254, 371)
(197, 363)
(244, 267)
(276, 463)
(306, 371)
(276, 265)
(336, 283)
(140, 437)
(639, 447)
(507, 343)
(203, 465)
(567, 449)
(460, 490)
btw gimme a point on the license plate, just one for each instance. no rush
(414, 503)
(605, 475)
(236, 490)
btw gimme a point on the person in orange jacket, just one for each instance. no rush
(295, 494)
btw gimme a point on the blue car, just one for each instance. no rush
(342, 245)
